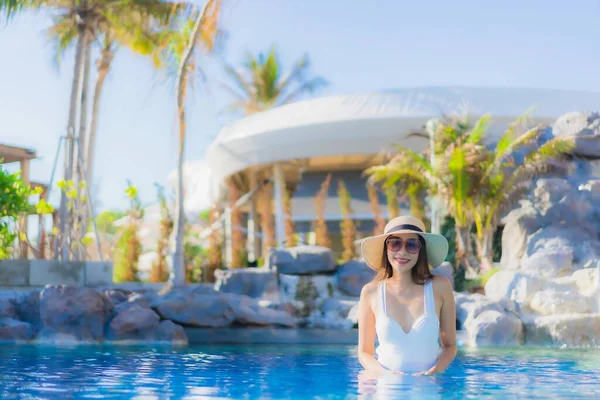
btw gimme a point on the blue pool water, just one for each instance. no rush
(285, 371)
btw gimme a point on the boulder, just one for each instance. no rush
(191, 308)
(29, 308)
(133, 322)
(585, 126)
(258, 283)
(14, 330)
(248, 311)
(587, 279)
(552, 301)
(74, 311)
(495, 328)
(470, 306)
(564, 329)
(519, 224)
(8, 307)
(550, 263)
(513, 285)
(302, 260)
(352, 276)
(309, 290)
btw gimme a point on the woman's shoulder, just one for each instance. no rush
(441, 284)
(369, 289)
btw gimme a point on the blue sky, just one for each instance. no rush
(355, 45)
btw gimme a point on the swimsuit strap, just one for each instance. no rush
(429, 298)
(382, 297)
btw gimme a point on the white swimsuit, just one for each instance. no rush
(415, 351)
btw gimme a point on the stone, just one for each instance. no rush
(446, 270)
(470, 306)
(550, 262)
(519, 224)
(495, 328)
(258, 283)
(13, 330)
(587, 280)
(186, 307)
(566, 329)
(310, 290)
(50, 272)
(551, 301)
(14, 273)
(248, 311)
(513, 285)
(352, 276)
(583, 244)
(302, 260)
(337, 306)
(8, 307)
(133, 322)
(80, 312)
(585, 126)
(353, 314)
(29, 308)
(170, 332)
(98, 273)
(327, 321)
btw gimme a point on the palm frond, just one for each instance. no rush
(475, 135)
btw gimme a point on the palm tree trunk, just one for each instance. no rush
(463, 256)
(76, 88)
(483, 245)
(177, 277)
(103, 66)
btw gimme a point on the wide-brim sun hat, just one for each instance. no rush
(372, 247)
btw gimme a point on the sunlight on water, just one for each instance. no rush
(287, 371)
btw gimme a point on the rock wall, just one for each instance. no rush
(548, 289)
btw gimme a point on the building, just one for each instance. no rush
(298, 144)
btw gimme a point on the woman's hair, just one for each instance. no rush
(420, 273)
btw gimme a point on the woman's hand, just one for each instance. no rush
(430, 371)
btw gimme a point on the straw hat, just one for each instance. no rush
(372, 247)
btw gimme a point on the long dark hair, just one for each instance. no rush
(420, 273)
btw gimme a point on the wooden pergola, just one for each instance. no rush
(13, 154)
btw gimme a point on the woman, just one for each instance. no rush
(406, 308)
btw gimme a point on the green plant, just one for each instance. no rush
(14, 203)
(129, 246)
(159, 271)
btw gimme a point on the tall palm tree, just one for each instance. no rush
(260, 84)
(83, 21)
(178, 49)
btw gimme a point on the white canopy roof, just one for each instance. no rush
(366, 123)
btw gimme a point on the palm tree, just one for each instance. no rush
(83, 21)
(260, 84)
(178, 49)
(476, 182)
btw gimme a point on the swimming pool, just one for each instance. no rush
(285, 371)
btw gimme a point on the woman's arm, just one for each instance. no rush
(366, 330)
(447, 325)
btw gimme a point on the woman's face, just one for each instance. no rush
(403, 251)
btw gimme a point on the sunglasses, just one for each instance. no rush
(394, 244)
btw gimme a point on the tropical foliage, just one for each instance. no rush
(347, 226)
(477, 181)
(260, 84)
(129, 246)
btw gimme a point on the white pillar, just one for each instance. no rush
(278, 201)
(252, 244)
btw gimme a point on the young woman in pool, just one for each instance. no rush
(406, 308)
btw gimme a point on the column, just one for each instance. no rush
(253, 244)
(278, 200)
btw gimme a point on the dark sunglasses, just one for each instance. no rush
(395, 244)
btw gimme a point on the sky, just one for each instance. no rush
(357, 46)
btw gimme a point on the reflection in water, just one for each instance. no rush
(295, 372)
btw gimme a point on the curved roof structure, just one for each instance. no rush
(366, 123)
